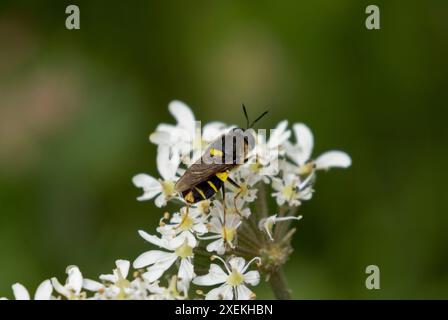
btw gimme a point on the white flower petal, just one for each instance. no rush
(160, 137)
(333, 159)
(167, 165)
(186, 273)
(223, 292)
(252, 277)
(156, 270)
(151, 257)
(92, 285)
(74, 280)
(108, 277)
(160, 201)
(244, 293)
(200, 228)
(183, 115)
(217, 246)
(59, 287)
(305, 142)
(237, 263)
(123, 265)
(151, 186)
(213, 130)
(20, 292)
(214, 276)
(44, 291)
(152, 239)
(279, 135)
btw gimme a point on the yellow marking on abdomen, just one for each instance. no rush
(212, 185)
(200, 192)
(189, 197)
(222, 175)
(216, 152)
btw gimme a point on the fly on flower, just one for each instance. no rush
(205, 177)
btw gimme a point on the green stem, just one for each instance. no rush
(278, 285)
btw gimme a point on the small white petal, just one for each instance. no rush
(333, 159)
(223, 292)
(160, 137)
(92, 285)
(74, 280)
(200, 228)
(156, 270)
(252, 277)
(20, 292)
(151, 186)
(237, 263)
(186, 273)
(305, 142)
(152, 239)
(59, 287)
(214, 276)
(167, 165)
(123, 265)
(279, 135)
(183, 114)
(108, 277)
(151, 257)
(244, 293)
(44, 291)
(213, 130)
(160, 201)
(217, 245)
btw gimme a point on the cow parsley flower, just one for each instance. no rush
(185, 224)
(233, 279)
(236, 224)
(300, 153)
(161, 189)
(290, 190)
(73, 285)
(157, 261)
(223, 232)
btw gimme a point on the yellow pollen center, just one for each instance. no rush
(288, 191)
(187, 222)
(167, 188)
(235, 278)
(255, 167)
(184, 251)
(228, 234)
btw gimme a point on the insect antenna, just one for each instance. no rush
(247, 117)
(256, 120)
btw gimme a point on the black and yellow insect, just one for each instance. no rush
(204, 178)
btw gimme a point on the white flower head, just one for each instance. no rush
(188, 223)
(73, 285)
(233, 279)
(223, 229)
(161, 189)
(290, 190)
(158, 261)
(301, 152)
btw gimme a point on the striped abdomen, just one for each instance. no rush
(205, 189)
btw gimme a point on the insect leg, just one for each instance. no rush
(224, 208)
(236, 185)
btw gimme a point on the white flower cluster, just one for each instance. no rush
(226, 229)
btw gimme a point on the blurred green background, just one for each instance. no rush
(76, 109)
